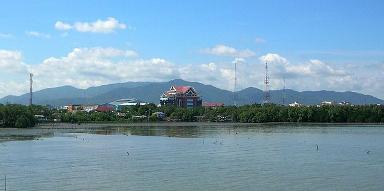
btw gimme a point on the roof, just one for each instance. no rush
(127, 102)
(104, 108)
(182, 89)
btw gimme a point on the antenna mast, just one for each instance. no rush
(284, 92)
(267, 95)
(30, 88)
(235, 88)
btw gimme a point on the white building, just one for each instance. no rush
(89, 108)
(121, 103)
(326, 103)
(294, 104)
(344, 103)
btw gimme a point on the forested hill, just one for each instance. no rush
(151, 91)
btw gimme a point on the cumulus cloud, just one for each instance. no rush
(238, 60)
(62, 26)
(37, 34)
(273, 58)
(315, 68)
(311, 75)
(311, 68)
(85, 67)
(223, 50)
(99, 52)
(11, 70)
(209, 67)
(11, 61)
(100, 26)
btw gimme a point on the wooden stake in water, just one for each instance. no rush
(5, 183)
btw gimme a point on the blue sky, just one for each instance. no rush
(335, 45)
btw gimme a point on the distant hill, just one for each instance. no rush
(151, 91)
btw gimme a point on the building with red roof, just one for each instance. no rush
(105, 108)
(181, 96)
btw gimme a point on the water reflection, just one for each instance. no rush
(186, 131)
(24, 134)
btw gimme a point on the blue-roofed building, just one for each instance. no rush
(122, 103)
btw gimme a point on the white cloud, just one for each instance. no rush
(37, 34)
(219, 75)
(273, 58)
(62, 26)
(85, 67)
(223, 50)
(9, 55)
(11, 70)
(100, 26)
(238, 60)
(209, 67)
(315, 67)
(11, 61)
(310, 75)
(312, 68)
(99, 52)
(18, 87)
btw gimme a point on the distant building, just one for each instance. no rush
(89, 108)
(122, 103)
(181, 96)
(326, 103)
(74, 108)
(344, 103)
(294, 104)
(41, 118)
(105, 108)
(213, 104)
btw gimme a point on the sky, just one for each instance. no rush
(311, 45)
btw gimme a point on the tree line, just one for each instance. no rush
(18, 116)
(244, 114)
(24, 116)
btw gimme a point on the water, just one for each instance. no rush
(196, 158)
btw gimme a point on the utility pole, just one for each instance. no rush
(267, 94)
(30, 88)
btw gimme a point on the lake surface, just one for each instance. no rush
(272, 157)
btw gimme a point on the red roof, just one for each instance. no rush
(182, 89)
(104, 108)
(213, 104)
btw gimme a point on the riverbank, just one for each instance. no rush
(149, 124)
(185, 124)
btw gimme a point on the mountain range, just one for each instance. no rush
(151, 92)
